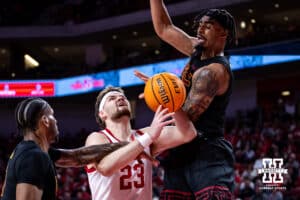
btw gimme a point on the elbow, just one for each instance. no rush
(161, 31)
(191, 134)
(104, 170)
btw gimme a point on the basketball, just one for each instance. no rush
(164, 89)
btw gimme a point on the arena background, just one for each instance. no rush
(72, 38)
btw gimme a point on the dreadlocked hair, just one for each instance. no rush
(28, 112)
(224, 18)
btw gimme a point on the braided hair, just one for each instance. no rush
(224, 18)
(28, 113)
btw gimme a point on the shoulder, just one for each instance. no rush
(96, 138)
(33, 159)
(215, 75)
(32, 152)
(37, 155)
(215, 69)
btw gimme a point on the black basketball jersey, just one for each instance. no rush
(29, 164)
(211, 122)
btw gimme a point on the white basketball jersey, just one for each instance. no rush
(133, 182)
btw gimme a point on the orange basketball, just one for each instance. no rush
(164, 89)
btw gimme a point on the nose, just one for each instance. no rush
(122, 97)
(200, 28)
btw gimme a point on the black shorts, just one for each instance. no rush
(202, 169)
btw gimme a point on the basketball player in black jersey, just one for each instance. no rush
(30, 172)
(203, 168)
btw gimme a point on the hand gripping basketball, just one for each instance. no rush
(161, 118)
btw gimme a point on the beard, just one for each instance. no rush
(56, 139)
(120, 113)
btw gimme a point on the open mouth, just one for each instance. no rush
(201, 37)
(123, 103)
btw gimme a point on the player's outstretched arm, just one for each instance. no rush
(171, 34)
(82, 156)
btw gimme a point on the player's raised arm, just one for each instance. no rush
(171, 34)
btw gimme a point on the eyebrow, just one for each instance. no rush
(111, 96)
(115, 95)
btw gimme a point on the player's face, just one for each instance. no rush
(210, 31)
(52, 129)
(117, 105)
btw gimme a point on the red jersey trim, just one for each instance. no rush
(89, 170)
(178, 192)
(139, 132)
(101, 132)
(112, 135)
(211, 187)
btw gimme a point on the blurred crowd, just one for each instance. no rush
(56, 12)
(254, 134)
(276, 136)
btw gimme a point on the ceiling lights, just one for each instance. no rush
(243, 24)
(30, 62)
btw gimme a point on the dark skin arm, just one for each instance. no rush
(207, 82)
(85, 155)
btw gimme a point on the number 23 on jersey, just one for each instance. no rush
(133, 176)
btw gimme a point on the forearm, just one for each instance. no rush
(184, 125)
(172, 136)
(119, 158)
(194, 107)
(86, 155)
(160, 17)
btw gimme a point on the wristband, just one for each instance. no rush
(145, 140)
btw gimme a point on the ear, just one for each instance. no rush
(102, 115)
(224, 34)
(45, 120)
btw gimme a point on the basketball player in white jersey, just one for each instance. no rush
(121, 175)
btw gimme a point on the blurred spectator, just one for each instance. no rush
(246, 190)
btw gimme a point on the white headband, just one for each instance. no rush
(104, 98)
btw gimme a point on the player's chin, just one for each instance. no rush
(121, 113)
(55, 138)
(204, 45)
